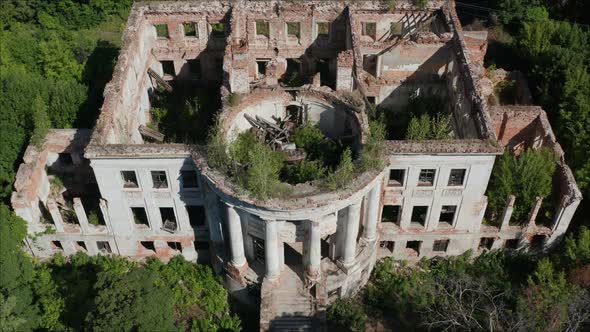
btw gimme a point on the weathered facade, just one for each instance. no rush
(162, 199)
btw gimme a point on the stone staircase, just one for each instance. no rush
(288, 306)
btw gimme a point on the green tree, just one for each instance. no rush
(41, 122)
(262, 174)
(371, 157)
(526, 176)
(343, 174)
(346, 315)
(132, 301)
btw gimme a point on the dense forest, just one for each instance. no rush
(56, 57)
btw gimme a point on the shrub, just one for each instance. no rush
(93, 218)
(304, 171)
(216, 149)
(426, 127)
(41, 121)
(343, 174)
(307, 136)
(525, 176)
(262, 174)
(345, 315)
(371, 157)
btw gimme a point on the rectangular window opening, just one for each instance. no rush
(413, 248)
(81, 246)
(168, 219)
(217, 30)
(140, 217)
(426, 177)
(176, 246)
(104, 247)
(262, 28)
(486, 243)
(56, 245)
(148, 245)
(396, 177)
(159, 179)
(293, 29)
(419, 215)
(323, 29)
(440, 245)
(189, 179)
(447, 215)
(369, 29)
(168, 67)
(190, 29)
(457, 177)
(129, 179)
(391, 213)
(196, 215)
(395, 29)
(162, 30)
(389, 245)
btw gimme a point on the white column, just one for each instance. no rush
(238, 259)
(56, 216)
(81, 215)
(271, 252)
(315, 250)
(352, 229)
(507, 214)
(373, 203)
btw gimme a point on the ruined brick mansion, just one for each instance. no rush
(125, 188)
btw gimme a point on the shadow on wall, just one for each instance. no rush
(426, 82)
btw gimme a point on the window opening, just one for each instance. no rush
(190, 29)
(293, 29)
(419, 215)
(104, 247)
(486, 243)
(414, 248)
(217, 30)
(391, 213)
(148, 245)
(396, 177)
(447, 214)
(389, 245)
(323, 29)
(162, 30)
(262, 29)
(457, 177)
(168, 67)
(426, 177)
(369, 29)
(440, 245)
(168, 219)
(129, 179)
(175, 246)
(159, 179)
(140, 216)
(81, 245)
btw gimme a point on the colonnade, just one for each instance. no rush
(273, 242)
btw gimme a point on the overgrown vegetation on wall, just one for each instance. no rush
(56, 53)
(526, 176)
(105, 293)
(423, 118)
(328, 163)
(550, 42)
(496, 291)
